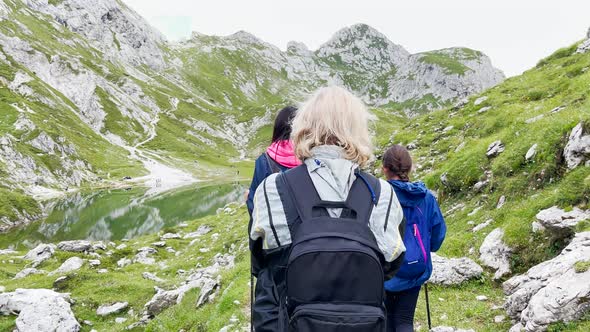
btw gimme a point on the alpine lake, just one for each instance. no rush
(117, 214)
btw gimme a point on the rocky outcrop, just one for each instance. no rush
(560, 223)
(40, 253)
(71, 264)
(585, 45)
(495, 253)
(577, 149)
(40, 310)
(552, 291)
(74, 246)
(105, 310)
(495, 149)
(207, 279)
(453, 271)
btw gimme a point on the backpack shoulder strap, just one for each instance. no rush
(305, 197)
(364, 195)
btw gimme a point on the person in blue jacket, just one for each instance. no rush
(424, 233)
(278, 157)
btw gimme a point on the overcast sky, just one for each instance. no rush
(514, 33)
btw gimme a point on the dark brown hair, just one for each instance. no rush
(398, 161)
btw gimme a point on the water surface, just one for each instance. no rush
(118, 214)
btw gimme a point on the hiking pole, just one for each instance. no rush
(251, 302)
(427, 306)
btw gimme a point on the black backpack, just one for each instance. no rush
(334, 275)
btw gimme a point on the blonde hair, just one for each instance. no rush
(333, 116)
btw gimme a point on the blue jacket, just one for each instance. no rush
(410, 196)
(262, 169)
(265, 306)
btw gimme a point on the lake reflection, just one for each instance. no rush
(117, 214)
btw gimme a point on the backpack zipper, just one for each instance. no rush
(419, 237)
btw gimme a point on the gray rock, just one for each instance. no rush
(209, 288)
(585, 45)
(449, 329)
(120, 320)
(74, 246)
(2, 289)
(551, 291)
(560, 223)
(71, 264)
(143, 256)
(151, 276)
(159, 244)
(495, 149)
(105, 310)
(499, 319)
(40, 310)
(495, 254)
(501, 202)
(453, 271)
(7, 252)
(531, 152)
(480, 100)
(206, 277)
(94, 262)
(60, 282)
(483, 225)
(202, 230)
(481, 298)
(577, 149)
(27, 272)
(169, 236)
(40, 253)
(123, 262)
(96, 246)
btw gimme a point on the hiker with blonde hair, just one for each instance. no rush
(327, 232)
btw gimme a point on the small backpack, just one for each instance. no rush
(417, 242)
(334, 275)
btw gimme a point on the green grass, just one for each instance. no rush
(582, 266)
(448, 63)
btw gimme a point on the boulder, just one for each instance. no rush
(152, 277)
(453, 271)
(40, 253)
(27, 272)
(531, 153)
(39, 310)
(202, 230)
(449, 329)
(123, 262)
(71, 264)
(105, 310)
(74, 246)
(560, 223)
(169, 236)
(551, 291)
(501, 202)
(495, 254)
(577, 149)
(495, 149)
(143, 256)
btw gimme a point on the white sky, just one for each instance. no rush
(514, 33)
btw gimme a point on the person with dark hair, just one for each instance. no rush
(424, 233)
(278, 157)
